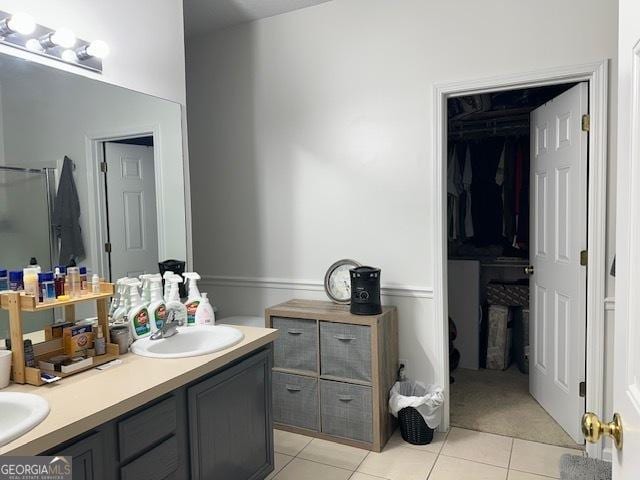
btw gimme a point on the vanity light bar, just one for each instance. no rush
(20, 30)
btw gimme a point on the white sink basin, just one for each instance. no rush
(189, 342)
(19, 413)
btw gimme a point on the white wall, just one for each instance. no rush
(146, 38)
(310, 138)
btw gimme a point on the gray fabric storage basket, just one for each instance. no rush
(295, 400)
(297, 346)
(345, 350)
(346, 410)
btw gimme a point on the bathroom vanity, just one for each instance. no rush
(199, 417)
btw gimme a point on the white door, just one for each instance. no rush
(131, 197)
(558, 234)
(626, 357)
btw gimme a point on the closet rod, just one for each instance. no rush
(519, 128)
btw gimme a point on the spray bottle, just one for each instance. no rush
(146, 291)
(167, 284)
(138, 314)
(157, 307)
(194, 298)
(116, 309)
(173, 302)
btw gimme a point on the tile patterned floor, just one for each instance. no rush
(460, 454)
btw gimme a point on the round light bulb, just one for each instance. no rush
(69, 56)
(22, 23)
(98, 49)
(64, 38)
(33, 45)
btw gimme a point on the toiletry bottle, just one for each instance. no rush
(194, 298)
(157, 307)
(121, 307)
(138, 314)
(33, 263)
(73, 275)
(98, 340)
(116, 301)
(30, 279)
(84, 280)
(146, 290)
(173, 303)
(95, 283)
(204, 313)
(47, 287)
(58, 280)
(167, 284)
(4, 280)
(15, 280)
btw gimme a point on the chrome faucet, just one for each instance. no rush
(169, 327)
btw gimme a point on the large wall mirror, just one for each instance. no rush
(125, 161)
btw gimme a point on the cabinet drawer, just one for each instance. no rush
(295, 400)
(158, 464)
(345, 350)
(297, 346)
(346, 410)
(138, 432)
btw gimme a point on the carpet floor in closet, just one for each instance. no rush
(499, 402)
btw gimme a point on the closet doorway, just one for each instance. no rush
(516, 218)
(515, 185)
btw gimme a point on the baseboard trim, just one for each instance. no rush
(392, 290)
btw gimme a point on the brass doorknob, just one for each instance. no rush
(529, 270)
(593, 428)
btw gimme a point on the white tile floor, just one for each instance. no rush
(460, 454)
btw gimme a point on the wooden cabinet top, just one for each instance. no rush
(321, 310)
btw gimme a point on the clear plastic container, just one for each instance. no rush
(73, 277)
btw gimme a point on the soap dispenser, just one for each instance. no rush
(204, 313)
(138, 314)
(173, 302)
(193, 298)
(157, 307)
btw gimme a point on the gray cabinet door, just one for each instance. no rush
(230, 423)
(88, 457)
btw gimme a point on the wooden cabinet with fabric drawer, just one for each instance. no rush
(333, 372)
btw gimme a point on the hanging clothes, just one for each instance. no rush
(486, 194)
(508, 190)
(454, 189)
(522, 234)
(66, 216)
(467, 177)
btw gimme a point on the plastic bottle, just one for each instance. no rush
(73, 276)
(58, 279)
(84, 280)
(95, 283)
(204, 313)
(167, 284)
(120, 314)
(99, 341)
(47, 287)
(15, 280)
(194, 297)
(173, 303)
(30, 281)
(117, 300)
(4, 280)
(157, 306)
(138, 314)
(33, 263)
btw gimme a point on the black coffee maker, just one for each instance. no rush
(365, 291)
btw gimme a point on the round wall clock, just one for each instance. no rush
(337, 281)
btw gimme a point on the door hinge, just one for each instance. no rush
(103, 167)
(583, 258)
(586, 122)
(582, 389)
(107, 247)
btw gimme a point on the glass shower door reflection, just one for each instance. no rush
(25, 232)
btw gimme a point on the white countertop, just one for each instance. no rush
(86, 400)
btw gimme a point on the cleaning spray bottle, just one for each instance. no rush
(117, 300)
(138, 314)
(120, 313)
(204, 312)
(173, 302)
(194, 298)
(157, 307)
(146, 287)
(167, 284)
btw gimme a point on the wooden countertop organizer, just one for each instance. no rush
(18, 302)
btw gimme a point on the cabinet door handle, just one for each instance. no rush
(294, 331)
(292, 388)
(345, 338)
(345, 398)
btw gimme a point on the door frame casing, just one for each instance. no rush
(98, 228)
(597, 76)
